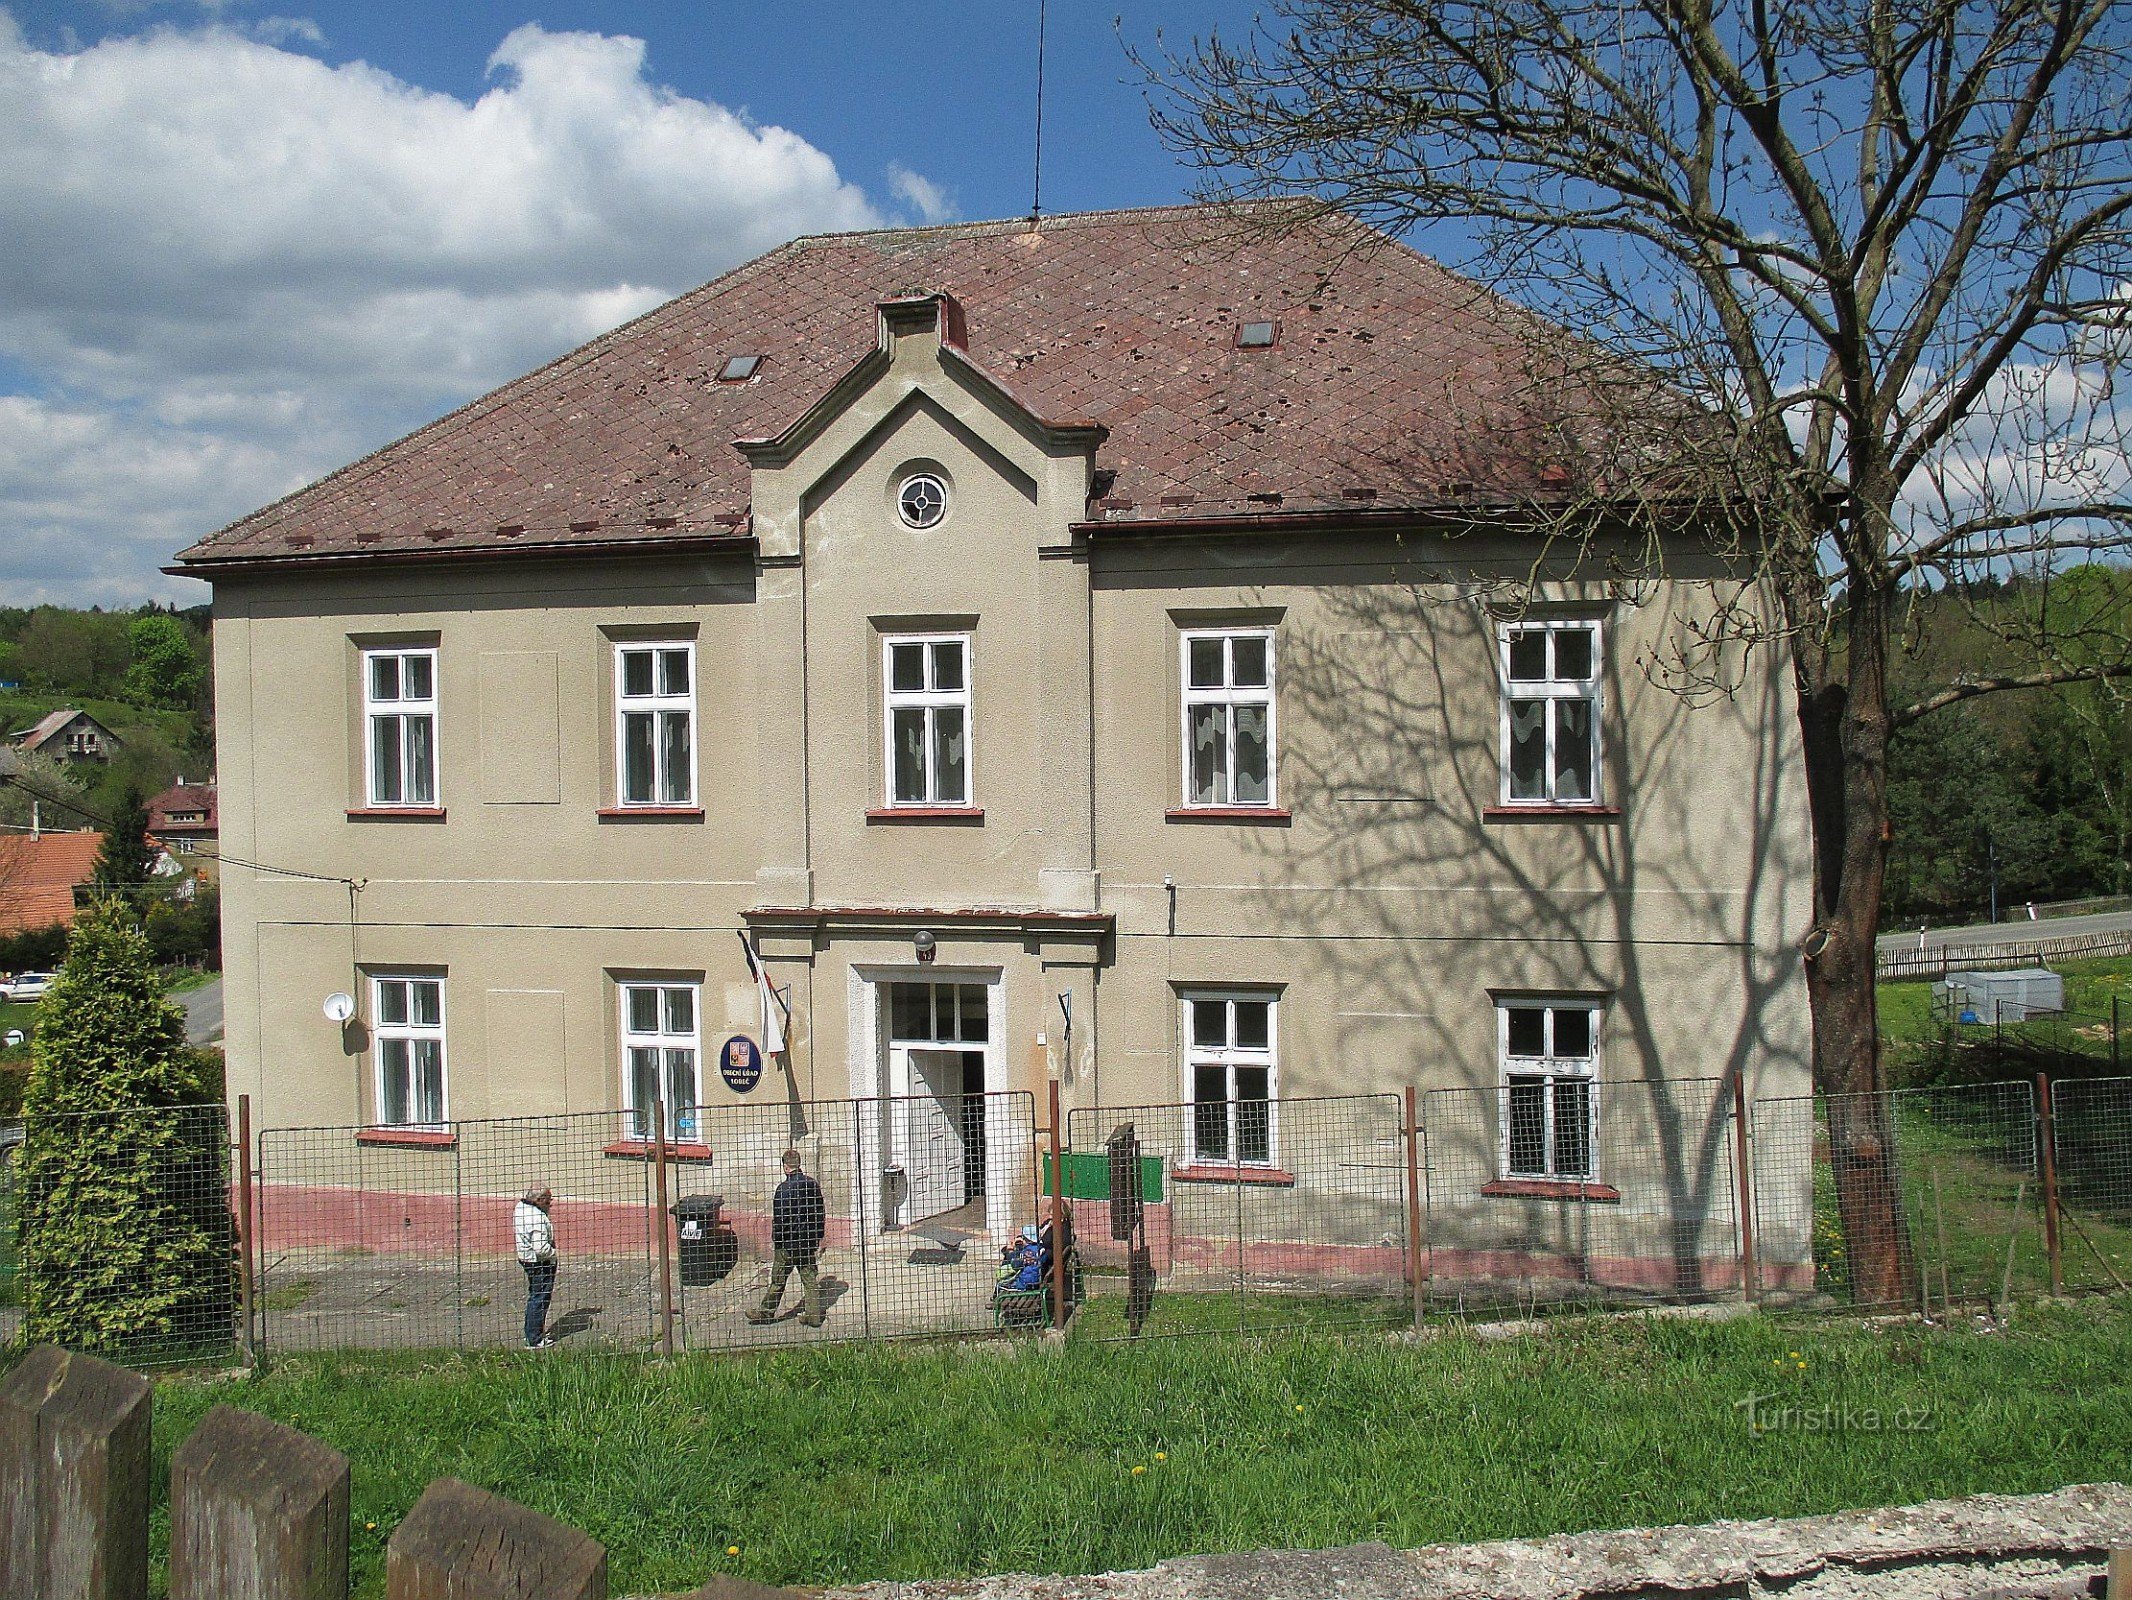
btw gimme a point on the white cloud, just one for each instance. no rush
(231, 266)
(928, 199)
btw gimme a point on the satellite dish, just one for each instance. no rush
(339, 1007)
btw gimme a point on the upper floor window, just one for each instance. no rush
(1550, 1063)
(1228, 718)
(661, 1055)
(927, 705)
(407, 1036)
(400, 716)
(1229, 1074)
(655, 724)
(1551, 713)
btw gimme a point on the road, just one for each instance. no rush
(2023, 932)
(203, 1013)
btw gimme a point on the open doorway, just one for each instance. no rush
(937, 1144)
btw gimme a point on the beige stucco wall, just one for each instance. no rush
(1387, 910)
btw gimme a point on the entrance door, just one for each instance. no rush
(927, 1123)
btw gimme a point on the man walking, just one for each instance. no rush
(536, 1253)
(797, 1220)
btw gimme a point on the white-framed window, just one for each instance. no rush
(655, 724)
(938, 1013)
(1550, 1093)
(400, 726)
(1230, 1077)
(1228, 717)
(1551, 741)
(927, 718)
(662, 1056)
(407, 1047)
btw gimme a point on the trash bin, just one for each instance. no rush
(709, 1248)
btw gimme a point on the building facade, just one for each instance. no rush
(1102, 652)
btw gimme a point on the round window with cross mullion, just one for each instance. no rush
(923, 500)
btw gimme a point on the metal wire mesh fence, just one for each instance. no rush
(1617, 1192)
(121, 1232)
(2091, 1124)
(406, 1239)
(1907, 1197)
(124, 1234)
(1238, 1214)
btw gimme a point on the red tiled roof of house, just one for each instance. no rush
(182, 801)
(1393, 383)
(37, 877)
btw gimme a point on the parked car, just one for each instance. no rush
(27, 986)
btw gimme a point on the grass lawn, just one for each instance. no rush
(845, 1464)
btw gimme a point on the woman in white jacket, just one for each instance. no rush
(536, 1253)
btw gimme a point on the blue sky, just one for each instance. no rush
(253, 241)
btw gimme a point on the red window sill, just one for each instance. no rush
(407, 1138)
(396, 813)
(1553, 1189)
(1271, 1177)
(1277, 816)
(1542, 813)
(641, 1150)
(926, 814)
(651, 813)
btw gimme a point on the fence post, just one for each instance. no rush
(2047, 1149)
(1413, 1133)
(658, 1221)
(1743, 1159)
(246, 1287)
(1058, 1214)
(2115, 1068)
(73, 1479)
(460, 1540)
(257, 1509)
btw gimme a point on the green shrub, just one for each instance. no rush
(125, 1231)
(34, 950)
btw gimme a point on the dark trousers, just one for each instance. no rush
(540, 1290)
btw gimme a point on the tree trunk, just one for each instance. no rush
(1846, 726)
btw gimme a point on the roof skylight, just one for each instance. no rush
(738, 369)
(1256, 335)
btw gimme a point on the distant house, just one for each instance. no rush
(70, 735)
(182, 820)
(39, 873)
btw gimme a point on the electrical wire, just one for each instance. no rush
(218, 858)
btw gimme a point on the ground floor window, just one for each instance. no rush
(1230, 1077)
(1550, 1102)
(661, 1056)
(408, 1046)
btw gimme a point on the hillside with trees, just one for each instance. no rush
(143, 674)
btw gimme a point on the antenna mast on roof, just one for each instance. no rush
(1036, 198)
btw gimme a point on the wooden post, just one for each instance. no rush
(1058, 1215)
(258, 1511)
(2117, 1584)
(246, 1293)
(463, 1543)
(659, 1221)
(1413, 1135)
(73, 1479)
(2047, 1152)
(1743, 1158)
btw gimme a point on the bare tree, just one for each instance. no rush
(1871, 257)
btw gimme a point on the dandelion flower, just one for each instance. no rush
(370, 1527)
(732, 1549)
(1299, 1408)
(1137, 1470)
(1795, 1355)
(1161, 1456)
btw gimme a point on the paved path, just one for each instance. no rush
(203, 1013)
(2021, 932)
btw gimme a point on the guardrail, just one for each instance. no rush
(1936, 961)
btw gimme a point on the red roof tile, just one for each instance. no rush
(1390, 375)
(183, 800)
(37, 877)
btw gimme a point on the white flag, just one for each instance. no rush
(773, 1006)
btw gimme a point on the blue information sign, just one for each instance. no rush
(740, 1063)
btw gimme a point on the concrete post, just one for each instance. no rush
(73, 1479)
(463, 1543)
(258, 1511)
